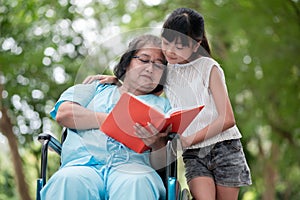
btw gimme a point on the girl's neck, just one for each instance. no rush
(193, 57)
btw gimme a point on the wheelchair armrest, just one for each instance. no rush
(48, 141)
(53, 143)
(171, 148)
(171, 136)
(173, 186)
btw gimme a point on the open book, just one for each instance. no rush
(129, 110)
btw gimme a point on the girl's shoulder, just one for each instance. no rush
(207, 65)
(208, 61)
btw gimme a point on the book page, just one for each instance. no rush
(180, 119)
(176, 110)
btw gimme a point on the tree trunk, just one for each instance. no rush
(6, 129)
(270, 174)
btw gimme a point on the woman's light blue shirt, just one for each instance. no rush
(92, 147)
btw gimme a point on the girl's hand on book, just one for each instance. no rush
(102, 79)
(186, 141)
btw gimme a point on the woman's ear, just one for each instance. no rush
(196, 47)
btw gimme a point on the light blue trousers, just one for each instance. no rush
(123, 175)
(132, 181)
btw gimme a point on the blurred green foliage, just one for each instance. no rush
(46, 46)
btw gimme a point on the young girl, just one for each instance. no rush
(214, 159)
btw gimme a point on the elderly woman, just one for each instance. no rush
(93, 165)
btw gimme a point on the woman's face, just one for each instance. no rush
(145, 70)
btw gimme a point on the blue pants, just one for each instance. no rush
(126, 181)
(95, 168)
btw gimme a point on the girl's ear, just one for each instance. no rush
(196, 47)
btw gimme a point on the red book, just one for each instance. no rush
(129, 110)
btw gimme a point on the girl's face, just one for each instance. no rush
(145, 70)
(175, 52)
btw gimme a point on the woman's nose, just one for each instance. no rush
(149, 67)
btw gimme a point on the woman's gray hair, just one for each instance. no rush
(134, 46)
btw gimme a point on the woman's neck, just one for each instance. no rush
(123, 88)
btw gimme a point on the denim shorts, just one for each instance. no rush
(224, 162)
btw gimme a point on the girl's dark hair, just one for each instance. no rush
(134, 46)
(184, 22)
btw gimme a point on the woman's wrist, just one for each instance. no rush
(101, 117)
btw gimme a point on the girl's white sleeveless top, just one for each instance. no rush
(188, 85)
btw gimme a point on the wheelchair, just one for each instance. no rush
(168, 174)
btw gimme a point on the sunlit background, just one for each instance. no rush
(45, 47)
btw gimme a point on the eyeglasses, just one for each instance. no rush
(146, 60)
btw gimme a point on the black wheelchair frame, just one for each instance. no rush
(168, 174)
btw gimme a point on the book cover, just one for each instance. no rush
(129, 110)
